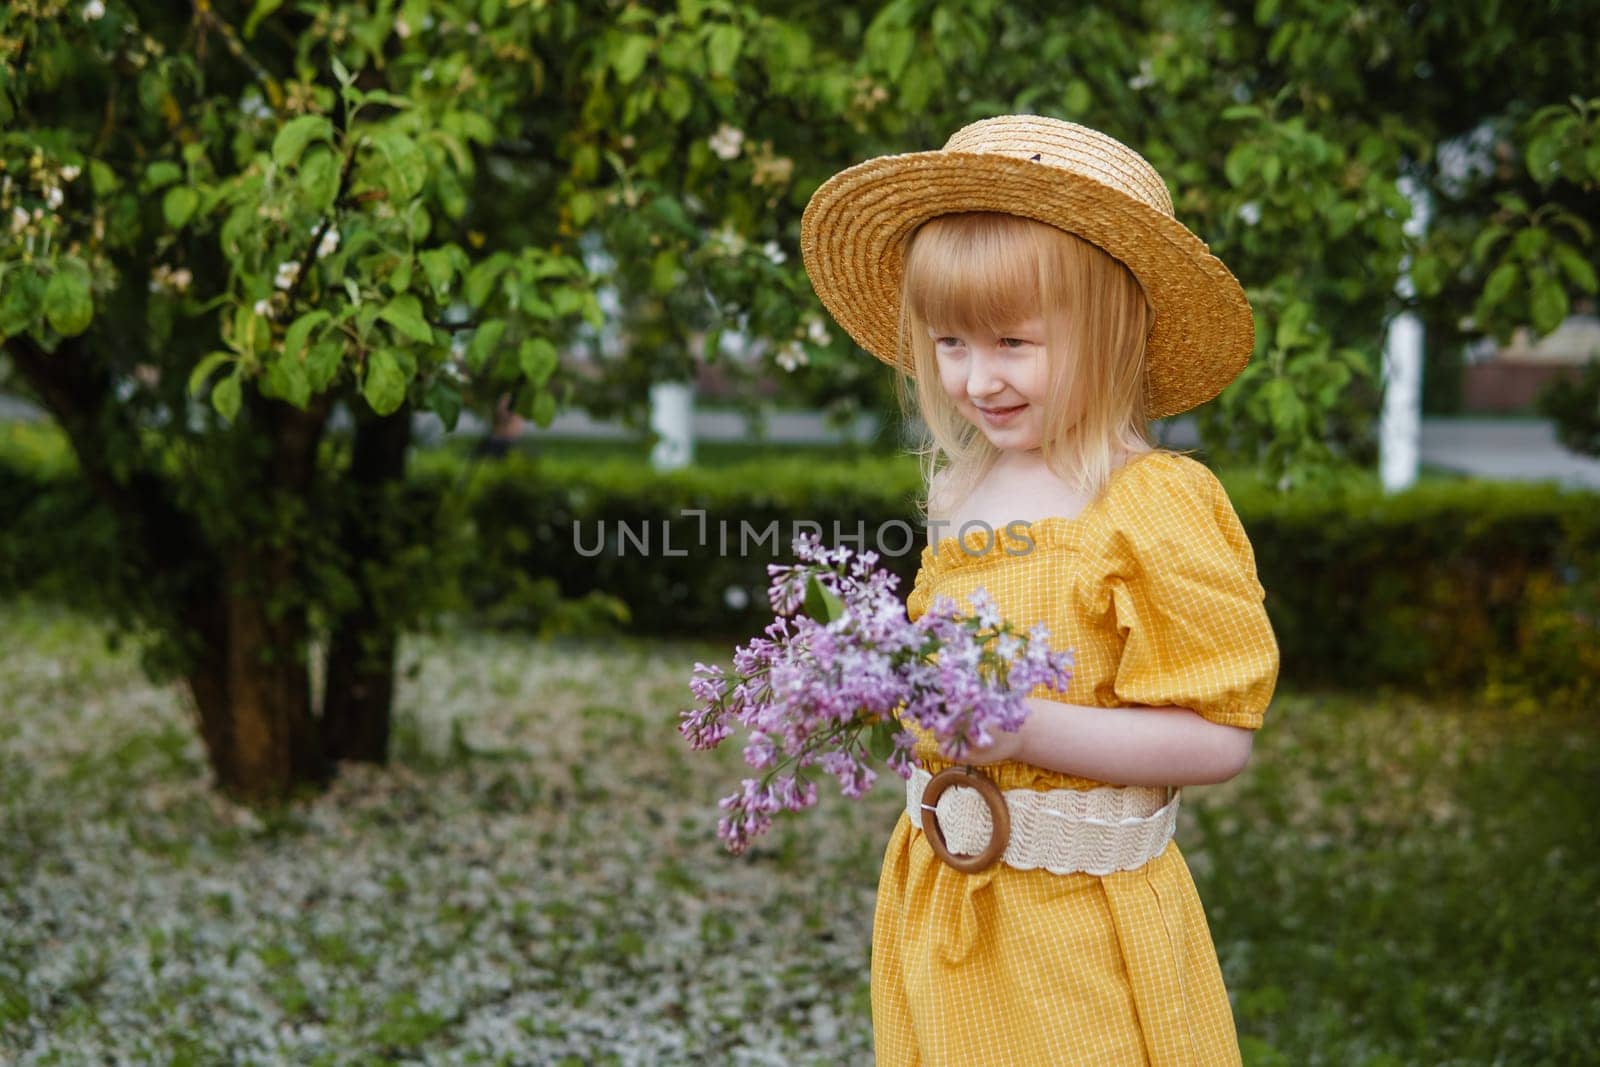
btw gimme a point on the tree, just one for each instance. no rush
(278, 223)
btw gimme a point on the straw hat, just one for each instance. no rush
(853, 237)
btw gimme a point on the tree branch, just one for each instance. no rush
(77, 390)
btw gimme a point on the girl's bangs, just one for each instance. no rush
(973, 273)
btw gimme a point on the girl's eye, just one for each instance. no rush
(947, 342)
(1012, 342)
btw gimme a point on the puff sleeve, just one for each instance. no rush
(1188, 603)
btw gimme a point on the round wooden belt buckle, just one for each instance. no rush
(999, 814)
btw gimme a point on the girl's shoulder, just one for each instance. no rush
(1162, 494)
(1154, 477)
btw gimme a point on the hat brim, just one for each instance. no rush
(853, 233)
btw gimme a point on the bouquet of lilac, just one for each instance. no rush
(829, 686)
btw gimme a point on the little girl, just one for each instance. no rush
(1031, 283)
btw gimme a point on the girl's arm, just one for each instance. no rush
(1128, 746)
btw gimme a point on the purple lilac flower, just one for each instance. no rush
(809, 689)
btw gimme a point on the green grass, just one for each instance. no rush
(535, 879)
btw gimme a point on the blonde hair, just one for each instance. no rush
(983, 272)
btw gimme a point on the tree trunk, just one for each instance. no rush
(252, 683)
(253, 690)
(359, 692)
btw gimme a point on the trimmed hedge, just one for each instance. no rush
(1450, 586)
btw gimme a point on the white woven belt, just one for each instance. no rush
(1063, 831)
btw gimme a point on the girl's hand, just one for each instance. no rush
(1006, 745)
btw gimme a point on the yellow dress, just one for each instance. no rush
(1154, 588)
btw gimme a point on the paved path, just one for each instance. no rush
(1508, 449)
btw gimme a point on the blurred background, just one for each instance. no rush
(333, 332)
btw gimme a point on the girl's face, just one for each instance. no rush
(998, 383)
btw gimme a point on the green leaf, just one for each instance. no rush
(452, 194)
(286, 379)
(322, 364)
(664, 272)
(1499, 284)
(294, 338)
(408, 167)
(68, 305)
(1292, 325)
(203, 369)
(226, 396)
(1549, 305)
(893, 50)
(537, 358)
(722, 49)
(21, 294)
(1077, 97)
(677, 100)
(1240, 163)
(399, 278)
(1540, 156)
(444, 400)
(582, 206)
(1576, 267)
(385, 384)
(1485, 241)
(160, 174)
(438, 266)
(103, 179)
(1271, 167)
(404, 313)
(544, 410)
(1531, 241)
(1427, 273)
(630, 57)
(296, 134)
(179, 204)
(1287, 409)
(262, 9)
(822, 604)
(485, 339)
(481, 278)
(318, 178)
(880, 739)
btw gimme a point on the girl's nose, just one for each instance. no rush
(983, 379)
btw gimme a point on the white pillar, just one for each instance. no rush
(672, 417)
(1400, 426)
(1400, 431)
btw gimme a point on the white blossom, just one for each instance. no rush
(19, 219)
(817, 332)
(288, 273)
(254, 106)
(53, 196)
(70, 172)
(1250, 212)
(792, 356)
(729, 239)
(774, 251)
(727, 141)
(93, 10)
(329, 242)
(165, 279)
(1146, 76)
(263, 307)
